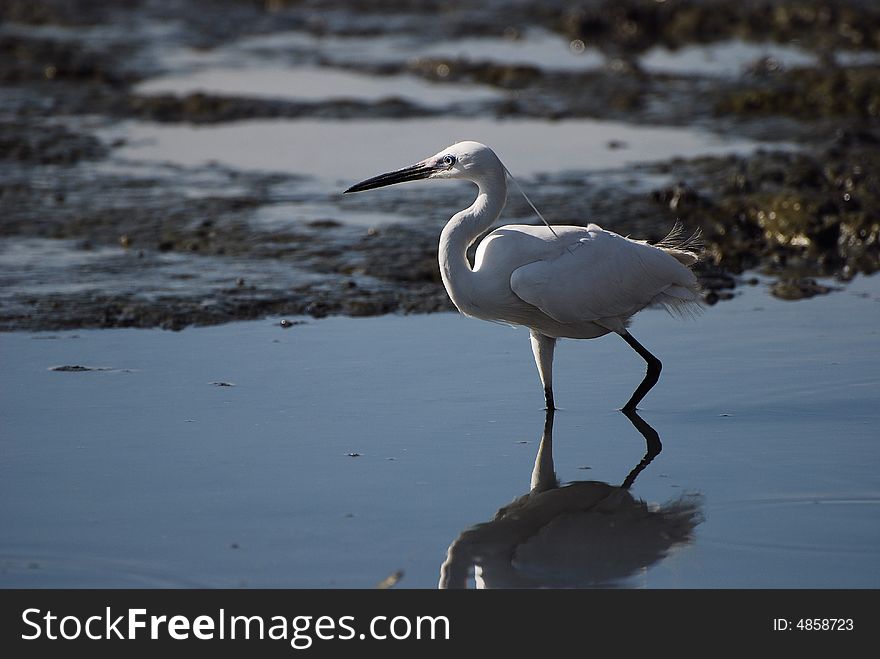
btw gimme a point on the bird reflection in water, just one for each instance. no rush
(586, 534)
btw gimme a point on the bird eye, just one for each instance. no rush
(449, 160)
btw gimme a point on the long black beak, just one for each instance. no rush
(412, 173)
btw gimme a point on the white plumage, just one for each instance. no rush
(560, 282)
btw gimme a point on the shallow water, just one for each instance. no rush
(311, 84)
(347, 449)
(536, 47)
(729, 58)
(336, 152)
(364, 148)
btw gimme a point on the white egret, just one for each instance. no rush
(560, 282)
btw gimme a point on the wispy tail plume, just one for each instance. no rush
(687, 250)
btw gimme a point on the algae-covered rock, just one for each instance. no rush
(810, 93)
(798, 289)
(783, 211)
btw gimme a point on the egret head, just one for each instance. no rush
(465, 160)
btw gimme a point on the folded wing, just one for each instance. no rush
(604, 276)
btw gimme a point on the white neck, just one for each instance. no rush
(463, 229)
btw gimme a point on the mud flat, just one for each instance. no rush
(160, 166)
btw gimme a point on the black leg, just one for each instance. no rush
(548, 423)
(548, 399)
(653, 446)
(651, 377)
